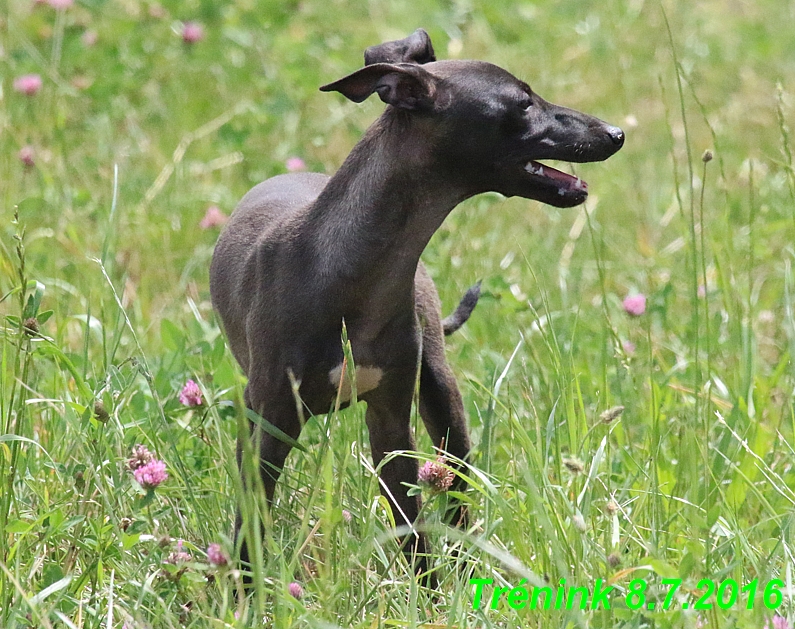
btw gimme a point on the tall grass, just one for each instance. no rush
(106, 315)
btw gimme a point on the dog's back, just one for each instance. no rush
(261, 220)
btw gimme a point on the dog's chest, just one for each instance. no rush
(325, 382)
(327, 377)
(378, 353)
(364, 378)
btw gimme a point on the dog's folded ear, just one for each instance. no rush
(416, 48)
(403, 85)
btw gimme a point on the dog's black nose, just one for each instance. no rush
(617, 135)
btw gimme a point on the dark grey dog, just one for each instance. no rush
(304, 252)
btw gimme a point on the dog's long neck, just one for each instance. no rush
(378, 212)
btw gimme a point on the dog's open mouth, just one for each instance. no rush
(567, 185)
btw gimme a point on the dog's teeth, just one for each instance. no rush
(533, 170)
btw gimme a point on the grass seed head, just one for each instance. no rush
(574, 465)
(611, 414)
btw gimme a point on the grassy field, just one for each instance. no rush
(138, 126)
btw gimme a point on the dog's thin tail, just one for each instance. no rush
(461, 314)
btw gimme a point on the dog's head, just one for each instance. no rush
(483, 122)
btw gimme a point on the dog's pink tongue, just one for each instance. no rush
(567, 181)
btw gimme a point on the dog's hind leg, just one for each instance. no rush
(441, 406)
(442, 411)
(276, 406)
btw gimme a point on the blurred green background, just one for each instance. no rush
(135, 132)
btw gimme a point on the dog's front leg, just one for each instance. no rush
(388, 421)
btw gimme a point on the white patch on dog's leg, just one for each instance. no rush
(367, 379)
